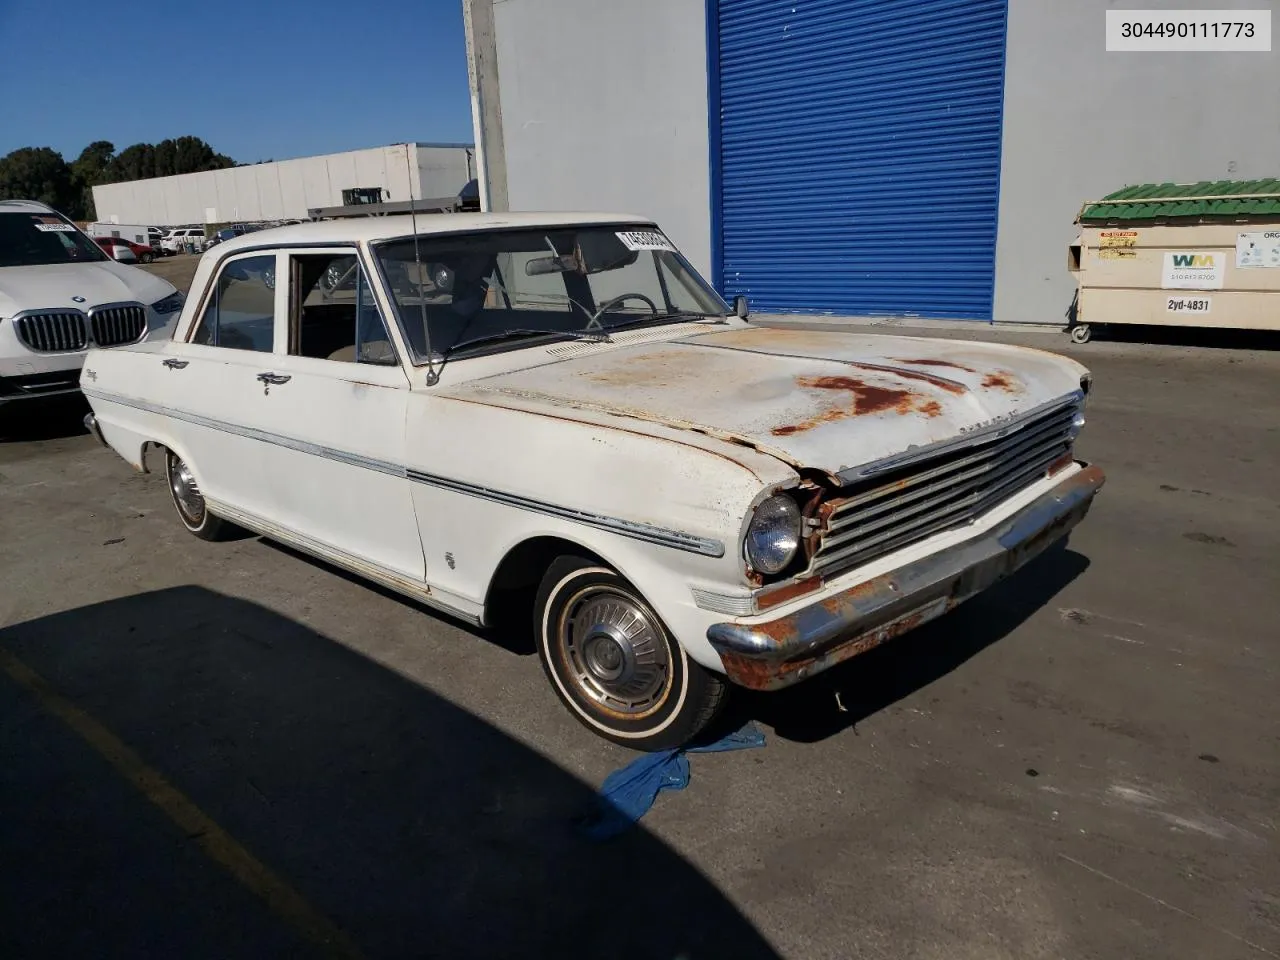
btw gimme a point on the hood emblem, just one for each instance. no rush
(77, 299)
(987, 424)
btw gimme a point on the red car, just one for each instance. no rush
(144, 254)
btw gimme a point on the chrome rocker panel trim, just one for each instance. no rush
(407, 586)
(777, 653)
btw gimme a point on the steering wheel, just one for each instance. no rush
(614, 301)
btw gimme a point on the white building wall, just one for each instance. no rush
(1080, 123)
(604, 107)
(441, 165)
(286, 189)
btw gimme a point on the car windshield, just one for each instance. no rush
(38, 239)
(497, 290)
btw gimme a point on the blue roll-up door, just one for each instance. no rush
(856, 157)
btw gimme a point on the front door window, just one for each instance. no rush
(240, 312)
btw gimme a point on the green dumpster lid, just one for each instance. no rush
(1208, 198)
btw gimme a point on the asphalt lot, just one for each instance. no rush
(232, 750)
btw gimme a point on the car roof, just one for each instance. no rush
(14, 206)
(373, 229)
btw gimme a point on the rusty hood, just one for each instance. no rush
(832, 401)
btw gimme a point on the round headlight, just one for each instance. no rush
(773, 537)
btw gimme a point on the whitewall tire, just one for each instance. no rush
(613, 662)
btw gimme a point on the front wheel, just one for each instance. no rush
(1081, 333)
(189, 501)
(147, 257)
(613, 662)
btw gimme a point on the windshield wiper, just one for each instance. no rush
(660, 317)
(525, 332)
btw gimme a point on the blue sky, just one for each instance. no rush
(260, 80)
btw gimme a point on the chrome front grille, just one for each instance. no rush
(888, 512)
(117, 324)
(51, 331)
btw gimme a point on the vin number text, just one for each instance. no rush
(1188, 30)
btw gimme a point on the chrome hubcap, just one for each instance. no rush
(615, 651)
(186, 492)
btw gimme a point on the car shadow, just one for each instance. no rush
(55, 418)
(417, 828)
(1211, 338)
(854, 690)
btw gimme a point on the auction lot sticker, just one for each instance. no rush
(53, 225)
(1188, 305)
(645, 240)
(1193, 271)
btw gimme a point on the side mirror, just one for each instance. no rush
(123, 254)
(740, 308)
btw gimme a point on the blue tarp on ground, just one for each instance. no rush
(627, 794)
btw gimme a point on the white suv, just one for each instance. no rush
(60, 294)
(175, 241)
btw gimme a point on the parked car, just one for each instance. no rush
(115, 246)
(59, 294)
(553, 416)
(180, 238)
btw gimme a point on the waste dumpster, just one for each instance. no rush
(1179, 254)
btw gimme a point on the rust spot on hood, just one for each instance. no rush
(867, 398)
(1002, 380)
(937, 363)
(951, 386)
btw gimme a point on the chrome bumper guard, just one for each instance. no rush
(91, 424)
(777, 653)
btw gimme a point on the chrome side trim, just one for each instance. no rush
(627, 528)
(415, 589)
(250, 433)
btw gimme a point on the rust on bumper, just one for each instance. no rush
(777, 653)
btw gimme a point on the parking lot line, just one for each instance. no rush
(216, 842)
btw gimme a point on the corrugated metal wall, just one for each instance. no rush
(856, 161)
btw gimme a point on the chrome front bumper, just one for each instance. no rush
(777, 653)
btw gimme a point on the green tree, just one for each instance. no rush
(191, 155)
(137, 162)
(166, 157)
(90, 169)
(39, 173)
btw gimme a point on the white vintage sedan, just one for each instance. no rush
(554, 415)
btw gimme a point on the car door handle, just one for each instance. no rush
(173, 364)
(275, 378)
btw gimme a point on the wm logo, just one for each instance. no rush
(1193, 260)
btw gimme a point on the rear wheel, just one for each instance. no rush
(189, 501)
(613, 662)
(147, 257)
